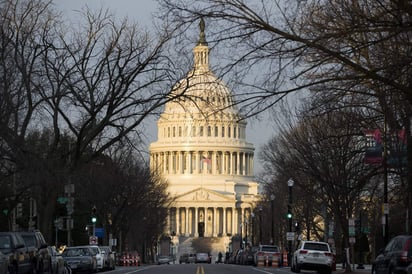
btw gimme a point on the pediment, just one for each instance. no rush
(204, 195)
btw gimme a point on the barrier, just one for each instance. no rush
(285, 259)
(275, 261)
(260, 261)
(136, 260)
(123, 260)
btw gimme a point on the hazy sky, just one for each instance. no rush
(141, 11)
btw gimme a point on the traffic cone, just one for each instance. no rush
(285, 259)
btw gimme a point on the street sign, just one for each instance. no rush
(351, 231)
(290, 236)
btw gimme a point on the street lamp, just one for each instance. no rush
(260, 224)
(94, 219)
(272, 201)
(289, 216)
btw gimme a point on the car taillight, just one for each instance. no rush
(260, 254)
(328, 254)
(303, 252)
(404, 253)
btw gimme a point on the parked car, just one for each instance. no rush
(163, 259)
(267, 252)
(38, 249)
(4, 263)
(58, 265)
(184, 258)
(109, 257)
(13, 247)
(248, 256)
(395, 257)
(409, 269)
(99, 257)
(80, 259)
(203, 258)
(312, 255)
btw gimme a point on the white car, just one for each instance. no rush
(100, 258)
(312, 255)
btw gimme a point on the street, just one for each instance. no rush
(213, 269)
(199, 269)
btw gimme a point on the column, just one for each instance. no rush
(197, 162)
(244, 164)
(234, 223)
(238, 163)
(196, 222)
(231, 163)
(222, 170)
(177, 221)
(206, 222)
(187, 222)
(167, 229)
(214, 162)
(170, 161)
(190, 162)
(164, 162)
(215, 222)
(224, 232)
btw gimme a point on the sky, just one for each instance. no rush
(258, 132)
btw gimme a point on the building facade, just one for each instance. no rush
(203, 154)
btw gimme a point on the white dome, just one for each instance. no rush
(202, 93)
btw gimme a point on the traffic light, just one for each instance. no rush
(289, 214)
(297, 226)
(94, 219)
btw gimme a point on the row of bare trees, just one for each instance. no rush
(73, 97)
(351, 60)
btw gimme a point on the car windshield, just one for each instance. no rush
(316, 246)
(5, 242)
(29, 240)
(73, 252)
(270, 248)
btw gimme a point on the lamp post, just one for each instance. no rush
(260, 224)
(272, 206)
(289, 216)
(94, 219)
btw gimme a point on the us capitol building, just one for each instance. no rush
(203, 154)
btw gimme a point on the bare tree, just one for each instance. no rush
(324, 156)
(67, 95)
(344, 48)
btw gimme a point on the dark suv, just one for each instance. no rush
(395, 257)
(39, 253)
(13, 247)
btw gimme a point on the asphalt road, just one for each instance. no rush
(200, 269)
(213, 269)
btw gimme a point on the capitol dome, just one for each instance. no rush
(203, 154)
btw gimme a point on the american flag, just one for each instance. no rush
(206, 160)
